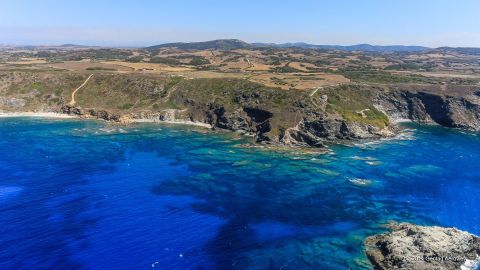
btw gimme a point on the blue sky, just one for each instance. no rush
(138, 23)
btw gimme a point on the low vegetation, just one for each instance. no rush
(198, 61)
(285, 69)
(232, 75)
(354, 104)
(100, 68)
(165, 60)
(369, 75)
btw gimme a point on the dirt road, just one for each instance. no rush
(72, 102)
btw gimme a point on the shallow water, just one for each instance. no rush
(80, 195)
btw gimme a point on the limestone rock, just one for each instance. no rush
(409, 246)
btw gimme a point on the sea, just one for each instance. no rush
(84, 194)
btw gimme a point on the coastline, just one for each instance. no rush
(131, 120)
(187, 123)
(36, 114)
(68, 116)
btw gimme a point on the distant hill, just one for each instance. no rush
(358, 47)
(73, 45)
(219, 44)
(232, 44)
(460, 50)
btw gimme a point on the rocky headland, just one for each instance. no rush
(459, 108)
(412, 247)
(274, 116)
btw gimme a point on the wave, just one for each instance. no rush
(7, 192)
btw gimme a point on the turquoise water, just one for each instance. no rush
(82, 195)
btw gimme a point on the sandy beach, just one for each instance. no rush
(36, 114)
(66, 116)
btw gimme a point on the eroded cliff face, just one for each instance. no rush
(274, 116)
(449, 110)
(303, 124)
(308, 131)
(296, 118)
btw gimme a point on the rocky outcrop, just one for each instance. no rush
(311, 131)
(409, 246)
(428, 107)
(274, 116)
(236, 120)
(300, 118)
(171, 115)
(90, 113)
(320, 131)
(304, 121)
(15, 103)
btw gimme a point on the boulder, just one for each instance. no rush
(408, 246)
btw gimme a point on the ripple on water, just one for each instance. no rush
(142, 199)
(8, 192)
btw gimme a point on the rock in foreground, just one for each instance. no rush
(409, 246)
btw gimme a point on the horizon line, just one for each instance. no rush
(92, 44)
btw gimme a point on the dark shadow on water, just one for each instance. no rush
(251, 200)
(310, 206)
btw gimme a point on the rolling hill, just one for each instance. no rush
(358, 47)
(219, 44)
(232, 44)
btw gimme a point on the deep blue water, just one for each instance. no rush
(82, 195)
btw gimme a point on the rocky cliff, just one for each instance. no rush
(278, 116)
(274, 116)
(412, 247)
(454, 109)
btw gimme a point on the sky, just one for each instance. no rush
(432, 23)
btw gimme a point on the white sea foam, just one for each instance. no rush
(471, 264)
(401, 120)
(178, 122)
(361, 182)
(111, 130)
(107, 130)
(405, 135)
(373, 163)
(363, 158)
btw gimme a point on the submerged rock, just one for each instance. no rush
(409, 246)
(361, 182)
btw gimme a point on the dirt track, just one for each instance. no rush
(72, 102)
